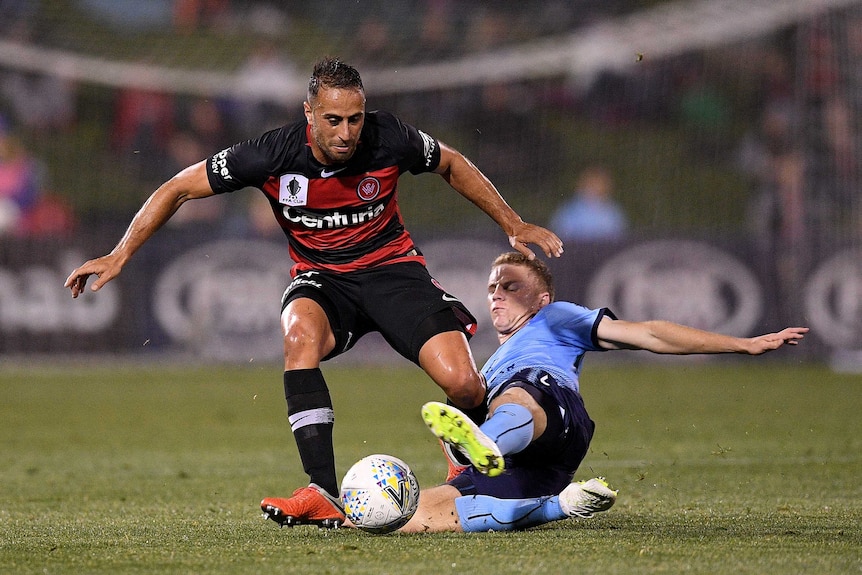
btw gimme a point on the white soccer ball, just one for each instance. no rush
(379, 493)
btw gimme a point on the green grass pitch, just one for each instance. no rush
(725, 467)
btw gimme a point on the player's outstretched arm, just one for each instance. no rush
(471, 183)
(190, 183)
(672, 338)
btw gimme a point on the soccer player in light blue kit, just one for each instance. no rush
(516, 468)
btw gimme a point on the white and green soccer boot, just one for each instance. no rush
(585, 498)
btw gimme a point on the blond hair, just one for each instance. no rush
(537, 268)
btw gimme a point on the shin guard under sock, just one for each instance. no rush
(309, 410)
(510, 427)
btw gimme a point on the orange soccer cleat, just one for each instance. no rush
(310, 505)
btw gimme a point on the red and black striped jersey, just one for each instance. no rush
(342, 217)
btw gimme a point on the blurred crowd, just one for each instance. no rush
(788, 120)
(28, 205)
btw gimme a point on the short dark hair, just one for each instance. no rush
(333, 73)
(536, 266)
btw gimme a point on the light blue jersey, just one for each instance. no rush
(554, 340)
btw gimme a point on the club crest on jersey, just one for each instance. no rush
(292, 189)
(368, 189)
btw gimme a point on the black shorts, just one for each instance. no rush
(548, 464)
(401, 301)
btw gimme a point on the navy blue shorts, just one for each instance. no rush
(548, 464)
(401, 301)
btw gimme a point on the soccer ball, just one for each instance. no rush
(379, 493)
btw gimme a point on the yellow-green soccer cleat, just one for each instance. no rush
(456, 429)
(585, 498)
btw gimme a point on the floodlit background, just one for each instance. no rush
(726, 133)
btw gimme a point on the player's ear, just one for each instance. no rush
(544, 299)
(306, 108)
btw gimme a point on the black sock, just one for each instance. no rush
(477, 414)
(309, 410)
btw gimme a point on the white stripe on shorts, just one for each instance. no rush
(311, 417)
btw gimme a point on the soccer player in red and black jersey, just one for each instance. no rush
(332, 184)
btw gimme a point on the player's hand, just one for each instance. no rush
(105, 268)
(547, 240)
(771, 341)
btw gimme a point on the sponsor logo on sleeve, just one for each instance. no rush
(218, 165)
(430, 145)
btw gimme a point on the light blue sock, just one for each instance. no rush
(485, 513)
(510, 427)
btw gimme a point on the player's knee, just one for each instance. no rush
(540, 406)
(517, 395)
(466, 389)
(305, 346)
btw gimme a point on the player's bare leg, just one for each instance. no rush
(308, 337)
(447, 359)
(436, 512)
